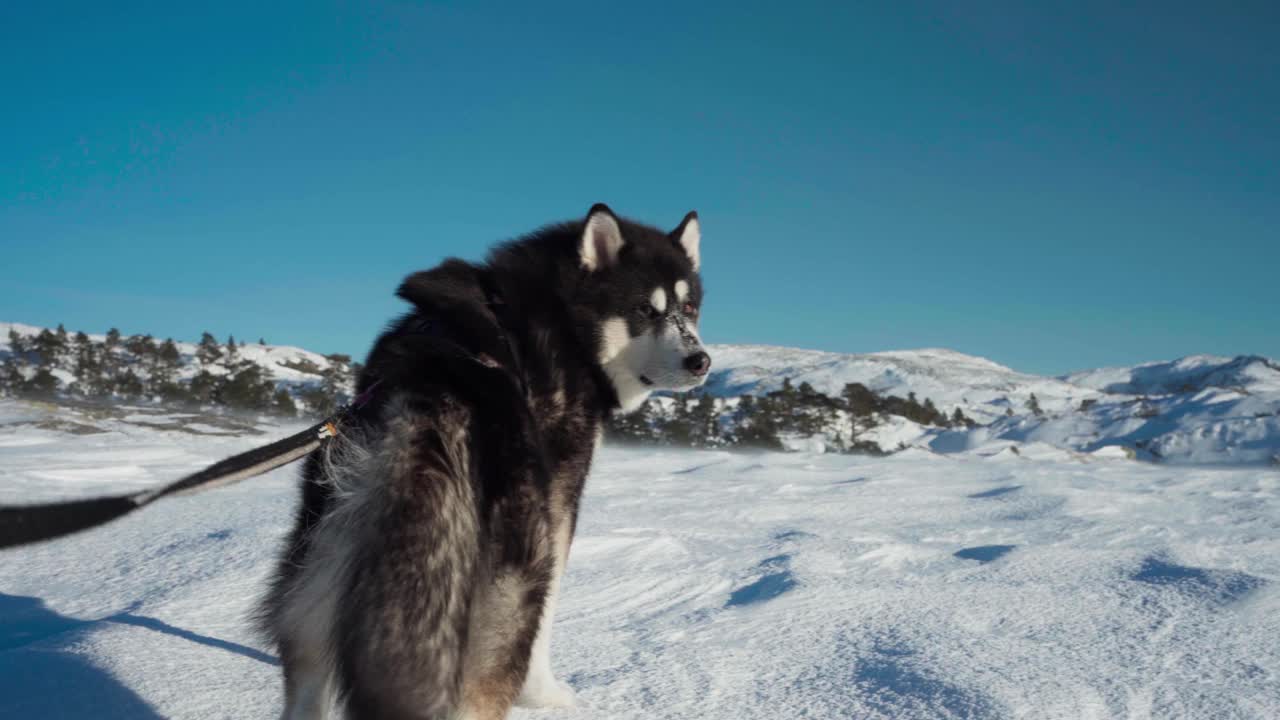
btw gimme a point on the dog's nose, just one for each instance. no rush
(698, 363)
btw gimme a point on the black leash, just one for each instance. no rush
(25, 524)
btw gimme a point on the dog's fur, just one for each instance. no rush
(421, 575)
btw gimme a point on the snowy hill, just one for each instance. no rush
(701, 585)
(1199, 409)
(134, 369)
(283, 363)
(983, 389)
(1246, 373)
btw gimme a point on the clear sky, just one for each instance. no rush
(1051, 188)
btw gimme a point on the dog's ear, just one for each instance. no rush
(452, 283)
(688, 236)
(601, 239)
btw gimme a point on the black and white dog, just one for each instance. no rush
(420, 579)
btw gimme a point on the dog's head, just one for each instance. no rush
(646, 296)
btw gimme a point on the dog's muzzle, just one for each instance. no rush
(698, 363)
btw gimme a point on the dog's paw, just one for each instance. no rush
(545, 693)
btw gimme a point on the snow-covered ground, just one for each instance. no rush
(701, 584)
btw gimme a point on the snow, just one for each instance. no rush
(1013, 580)
(1200, 409)
(984, 389)
(1195, 372)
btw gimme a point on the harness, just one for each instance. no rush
(25, 524)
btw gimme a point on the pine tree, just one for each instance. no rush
(757, 424)
(172, 393)
(204, 389)
(164, 371)
(12, 381)
(208, 351)
(108, 362)
(142, 346)
(282, 404)
(786, 394)
(88, 371)
(704, 423)
(678, 430)
(319, 403)
(49, 347)
(17, 343)
(783, 404)
(232, 356)
(632, 427)
(336, 378)
(1033, 404)
(168, 354)
(933, 416)
(859, 400)
(248, 389)
(128, 384)
(43, 384)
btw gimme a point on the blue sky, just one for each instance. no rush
(1050, 188)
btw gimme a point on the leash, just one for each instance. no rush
(25, 524)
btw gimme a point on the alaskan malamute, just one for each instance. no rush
(420, 578)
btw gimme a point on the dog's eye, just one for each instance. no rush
(690, 310)
(647, 310)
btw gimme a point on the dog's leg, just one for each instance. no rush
(508, 605)
(541, 688)
(504, 622)
(307, 690)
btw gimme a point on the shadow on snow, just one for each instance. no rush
(42, 674)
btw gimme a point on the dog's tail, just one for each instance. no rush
(402, 629)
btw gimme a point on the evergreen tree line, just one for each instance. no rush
(138, 368)
(699, 420)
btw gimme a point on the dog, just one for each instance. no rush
(421, 575)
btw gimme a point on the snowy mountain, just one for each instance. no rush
(134, 368)
(1199, 409)
(1246, 373)
(284, 363)
(983, 389)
